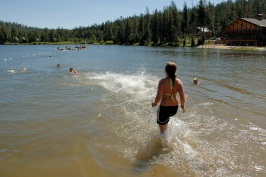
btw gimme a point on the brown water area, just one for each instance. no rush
(99, 122)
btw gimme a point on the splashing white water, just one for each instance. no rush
(17, 71)
(11, 71)
(140, 84)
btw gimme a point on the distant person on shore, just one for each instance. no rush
(168, 87)
(73, 71)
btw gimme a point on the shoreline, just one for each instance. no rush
(205, 46)
(214, 46)
(217, 46)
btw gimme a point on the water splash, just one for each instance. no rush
(17, 71)
(138, 83)
(11, 71)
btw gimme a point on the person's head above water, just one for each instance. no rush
(196, 81)
(72, 70)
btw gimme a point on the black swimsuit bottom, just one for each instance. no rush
(164, 113)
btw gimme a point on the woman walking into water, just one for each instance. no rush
(168, 87)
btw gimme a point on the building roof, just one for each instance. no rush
(261, 23)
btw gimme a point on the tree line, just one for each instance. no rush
(169, 26)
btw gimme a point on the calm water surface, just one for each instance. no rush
(100, 122)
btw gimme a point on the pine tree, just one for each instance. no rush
(155, 28)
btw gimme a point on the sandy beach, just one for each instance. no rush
(212, 46)
(218, 46)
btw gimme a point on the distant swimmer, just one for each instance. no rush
(58, 65)
(168, 87)
(73, 71)
(196, 81)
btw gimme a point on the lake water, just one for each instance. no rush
(100, 122)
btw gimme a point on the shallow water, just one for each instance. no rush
(100, 122)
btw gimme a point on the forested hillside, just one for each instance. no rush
(166, 27)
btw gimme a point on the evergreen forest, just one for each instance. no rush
(170, 26)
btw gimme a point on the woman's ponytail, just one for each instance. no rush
(170, 68)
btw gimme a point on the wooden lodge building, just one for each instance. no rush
(246, 32)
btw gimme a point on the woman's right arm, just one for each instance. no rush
(182, 96)
(159, 94)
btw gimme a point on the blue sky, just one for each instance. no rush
(75, 13)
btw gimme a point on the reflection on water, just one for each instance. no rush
(100, 121)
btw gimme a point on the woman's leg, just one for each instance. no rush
(162, 127)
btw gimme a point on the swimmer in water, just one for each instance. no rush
(73, 71)
(196, 81)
